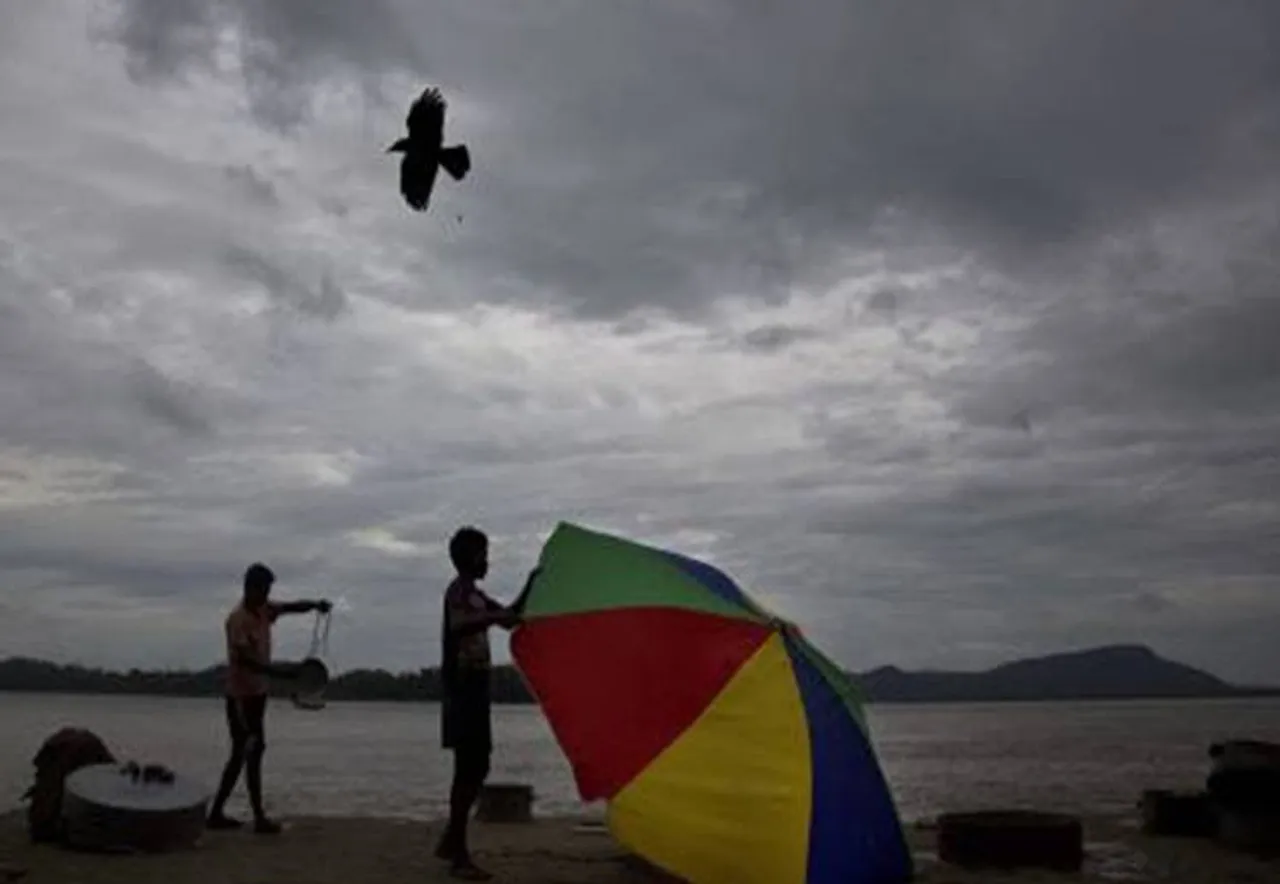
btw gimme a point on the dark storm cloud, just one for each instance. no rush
(167, 567)
(648, 154)
(1171, 354)
(282, 47)
(1143, 482)
(92, 394)
(976, 348)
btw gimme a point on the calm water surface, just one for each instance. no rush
(373, 758)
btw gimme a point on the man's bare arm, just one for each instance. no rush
(304, 606)
(466, 622)
(494, 613)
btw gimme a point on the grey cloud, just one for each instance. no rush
(646, 154)
(769, 338)
(1060, 211)
(283, 48)
(168, 400)
(286, 287)
(1182, 340)
(92, 395)
(336, 207)
(884, 302)
(253, 184)
(1151, 457)
(164, 38)
(177, 561)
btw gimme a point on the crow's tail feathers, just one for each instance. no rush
(456, 161)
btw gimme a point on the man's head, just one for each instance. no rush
(257, 584)
(469, 550)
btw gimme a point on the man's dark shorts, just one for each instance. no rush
(246, 717)
(465, 713)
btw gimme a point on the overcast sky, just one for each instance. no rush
(950, 330)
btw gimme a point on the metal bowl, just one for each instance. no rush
(313, 677)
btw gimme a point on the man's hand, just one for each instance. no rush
(324, 606)
(518, 605)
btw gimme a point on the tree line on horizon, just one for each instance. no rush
(25, 675)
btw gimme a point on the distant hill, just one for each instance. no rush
(1116, 672)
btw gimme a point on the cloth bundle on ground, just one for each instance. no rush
(63, 753)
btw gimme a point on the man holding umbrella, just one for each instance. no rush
(465, 713)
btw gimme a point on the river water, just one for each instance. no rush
(384, 759)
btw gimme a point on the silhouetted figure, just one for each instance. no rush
(249, 666)
(465, 725)
(424, 150)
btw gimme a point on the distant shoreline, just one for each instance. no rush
(1260, 694)
(1119, 673)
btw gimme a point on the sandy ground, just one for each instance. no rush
(355, 851)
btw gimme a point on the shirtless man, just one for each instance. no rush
(249, 667)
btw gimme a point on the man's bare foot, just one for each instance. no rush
(220, 822)
(264, 826)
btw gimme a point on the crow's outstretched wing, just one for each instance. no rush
(426, 118)
(417, 177)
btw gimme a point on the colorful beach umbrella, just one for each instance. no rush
(729, 749)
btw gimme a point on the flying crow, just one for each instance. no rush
(424, 150)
